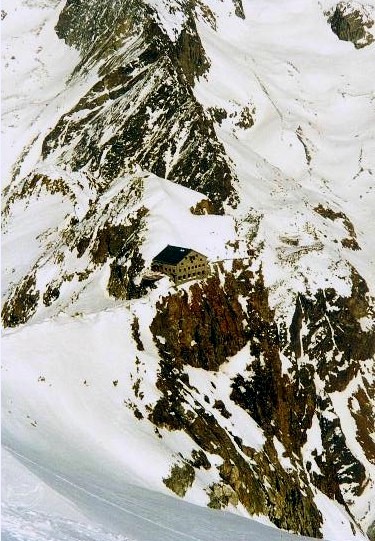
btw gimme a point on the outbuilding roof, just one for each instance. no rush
(171, 255)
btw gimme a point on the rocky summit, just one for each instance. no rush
(238, 130)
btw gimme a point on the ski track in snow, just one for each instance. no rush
(190, 521)
(102, 499)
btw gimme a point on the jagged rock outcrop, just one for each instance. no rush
(336, 357)
(202, 329)
(141, 109)
(23, 303)
(259, 379)
(180, 479)
(351, 22)
(110, 242)
(239, 11)
(283, 405)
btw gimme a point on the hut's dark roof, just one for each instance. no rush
(172, 255)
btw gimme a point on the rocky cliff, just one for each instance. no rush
(187, 123)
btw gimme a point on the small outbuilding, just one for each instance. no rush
(181, 264)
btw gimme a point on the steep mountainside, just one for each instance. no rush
(243, 130)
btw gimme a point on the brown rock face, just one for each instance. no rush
(334, 346)
(203, 207)
(89, 243)
(203, 328)
(190, 52)
(22, 304)
(351, 25)
(239, 11)
(371, 532)
(351, 240)
(180, 479)
(181, 144)
(206, 325)
(334, 331)
(337, 464)
(363, 414)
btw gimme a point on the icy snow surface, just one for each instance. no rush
(36, 512)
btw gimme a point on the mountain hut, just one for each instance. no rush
(181, 264)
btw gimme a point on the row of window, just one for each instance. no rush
(193, 275)
(195, 267)
(197, 271)
(169, 269)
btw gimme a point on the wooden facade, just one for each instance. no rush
(181, 264)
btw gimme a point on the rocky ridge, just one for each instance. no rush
(292, 373)
(352, 22)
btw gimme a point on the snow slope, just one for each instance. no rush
(35, 68)
(288, 108)
(312, 140)
(35, 512)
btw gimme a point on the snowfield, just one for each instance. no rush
(78, 464)
(71, 511)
